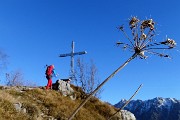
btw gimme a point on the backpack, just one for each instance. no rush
(49, 70)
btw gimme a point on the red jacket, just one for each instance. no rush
(49, 70)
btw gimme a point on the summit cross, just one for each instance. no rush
(72, 54)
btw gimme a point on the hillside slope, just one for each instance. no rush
(21, 103)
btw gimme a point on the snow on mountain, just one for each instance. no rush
(154, 109)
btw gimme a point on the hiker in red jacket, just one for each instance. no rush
(50, 72)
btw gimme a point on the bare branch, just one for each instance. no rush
(14, 79)
(86, 76)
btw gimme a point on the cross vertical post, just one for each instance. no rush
(72, 60)
(72, 54)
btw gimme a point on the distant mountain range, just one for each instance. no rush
(154, 109)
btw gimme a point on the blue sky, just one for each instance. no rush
(34, 32)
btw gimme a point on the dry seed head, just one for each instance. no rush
(171, 42)
(141, 54)
(143, 36)
(133, 22)
(148, 24)
(141, 42)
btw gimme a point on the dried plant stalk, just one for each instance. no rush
(127, 102)
(107, 79)
(142, 42)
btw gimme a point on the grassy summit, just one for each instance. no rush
(18, 103)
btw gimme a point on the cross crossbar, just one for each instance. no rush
(70, 54)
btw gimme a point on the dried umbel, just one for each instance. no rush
(148, 24)
(142, 42)
(143, 36)
(142, 39)
(133, 22)
(169, 42)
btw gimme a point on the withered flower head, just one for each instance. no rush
(148, 24)
(143, 36)
(142, 39)
(133, 22)
(171, 42)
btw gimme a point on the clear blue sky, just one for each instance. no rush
(34, 32)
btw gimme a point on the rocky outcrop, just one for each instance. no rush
(64, 88)
(125, 115)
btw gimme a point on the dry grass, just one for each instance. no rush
(7, 110)
(41, 104)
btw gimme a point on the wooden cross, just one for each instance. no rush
(72, 54)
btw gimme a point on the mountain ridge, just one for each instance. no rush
(158, 108)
